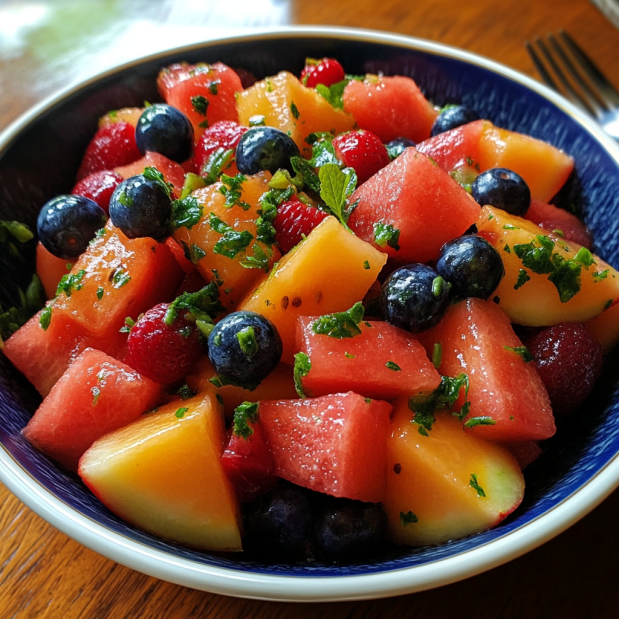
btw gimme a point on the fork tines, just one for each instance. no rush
(580, 80)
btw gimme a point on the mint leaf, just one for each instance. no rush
(340, 325)
(244, 414)
(386, 234)
(231, 242)
(302, 366)
(335, 187)
(216, 163)
(333, 94)
(186, 213)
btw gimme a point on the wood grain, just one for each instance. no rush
(44, 574)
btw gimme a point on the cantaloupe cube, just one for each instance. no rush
(163, 473)
(328, 272)
(288, 105)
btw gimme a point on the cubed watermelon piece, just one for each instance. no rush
(336, 444)
(382, 362)
(172, 171)
(96, 395)
(477, 338)
(559, 221)
(390, 107)
(417, 198)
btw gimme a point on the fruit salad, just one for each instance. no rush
(310, 318)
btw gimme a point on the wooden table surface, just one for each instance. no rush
(44, 45)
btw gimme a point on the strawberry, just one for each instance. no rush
(294, 219)
(113, 146)
(327, 72)
(164, 353)
(98, 186)
(224, 134)
(363, 151)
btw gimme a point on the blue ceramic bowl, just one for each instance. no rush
(39, 155)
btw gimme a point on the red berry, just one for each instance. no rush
(249, 464)
(98, 186)
(294, 219)
(327, 71)
(164, 353)
(569, 361)
(363, 151)
(113, 146)
(223, 134)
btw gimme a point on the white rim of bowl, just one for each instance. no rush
(261, 586)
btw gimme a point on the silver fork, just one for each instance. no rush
(586, 86)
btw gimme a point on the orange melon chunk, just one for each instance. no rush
(163, 473)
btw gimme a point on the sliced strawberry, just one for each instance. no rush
(363, 151)
(98, 186)
(225, 134)
(113, 146)
(327, 71)
(293, 220)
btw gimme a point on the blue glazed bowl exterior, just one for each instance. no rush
(39, 160)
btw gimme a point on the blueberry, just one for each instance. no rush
(453, 116)
(279, 523)
(504, 189)
(141, 206)
(414, 297)
(244, 348)
(396, 147)
(67, 224)
(265, 148)
(348, 530)
(163, 129)
(471, 265)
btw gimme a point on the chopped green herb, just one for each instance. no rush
(244, 414)
(257, 121)
(200, 104)
(585, 257)
(100, 292)
(152, 174)
(231, 189)
(490, 216)
(408, 518)
(70, 282)
(231, 241)
(302, 366)
(185, 392)
(213, 87)
(473, 483)
(349, 356)
(368, 400)
(334, 93)
(523, 278)
(203, 124)
(437, 286)
(217, 162)
(194, 253)
(522, 351)
(559, 232)
(393, 366)
(96, 392)
(120, 278)
(294, 110)
(608, 304)
(598, 276)
(247, 341)
(203, 305)
(386, 234)
(509, 227)
(180, 413)
(186, 213)
(479, 421)
(437, 355)
(506, 249)
(219, 399)
(125, 199)
(129, 324)
(366, 265)
(340, 325)
(45, 318)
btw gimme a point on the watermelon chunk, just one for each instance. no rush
(417, 198)
(96, 395)
(382, 362)
(336, 444)
(477, 339)
(390, 107)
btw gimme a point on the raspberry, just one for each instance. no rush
(294, 219)
(223, 134)
(363, 151)
(569, 361)
(164, 353)
(99, 187)
(327, 71)
(113, 146)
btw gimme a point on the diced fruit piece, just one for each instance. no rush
(288, 292)
(525, 453)
(165, 130)
(223, 135)
(559, 221)
(335, 444)
(113, 146)
(414, 197)
(185, 264)
(447, 485)
(163, 352)
(265, 149)
(381, 362)
(363, 151)
(295, 219)
(288, 105)
(216, 247)
(129, 115)
(569, 361)
(205, 93)
(248, 462)
(50, 269)
(327, 72)
(99, 187)
(278, 385)
(66, 224)
(547, 279)
(508, 401)
(172, 172)
(390, 107)
(453, 116)
(117, 277)
(43, 355)
(96, 395)
(163, 473)
(504, 189)
(605, 328)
